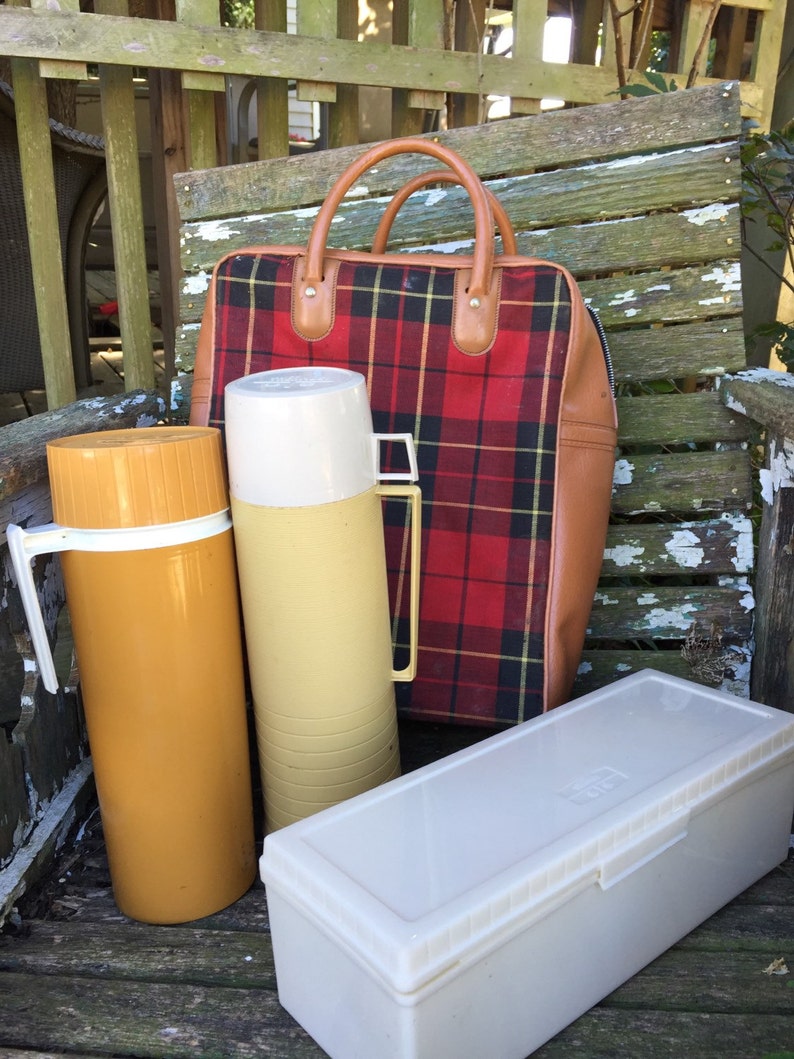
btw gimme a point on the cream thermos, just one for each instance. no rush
(143, 528)
(306, 496)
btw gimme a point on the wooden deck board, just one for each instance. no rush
(77, 977)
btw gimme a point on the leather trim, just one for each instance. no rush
(474, 329)
(313, 317)
(587, 433)
(204, 364)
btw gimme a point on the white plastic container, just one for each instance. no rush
(477, 906)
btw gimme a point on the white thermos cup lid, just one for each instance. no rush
(299, 436)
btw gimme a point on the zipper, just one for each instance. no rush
(604, 346)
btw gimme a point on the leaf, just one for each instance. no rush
(634, 90)
(659, 81)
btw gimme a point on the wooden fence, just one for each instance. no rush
(434, 56)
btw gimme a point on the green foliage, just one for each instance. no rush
(238, 13)
(768, 199)
(655, 83)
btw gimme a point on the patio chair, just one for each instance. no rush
(80, 186)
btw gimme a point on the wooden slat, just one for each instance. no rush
(317, 18)
(674, 419)
(127, 951)
(46, 259)
(152, 1018)
(542, 142)
(126, 210)
(598, 668)
(705, 348)
(606, 1033)
(23, 460)
(696, 482)
(63, 36)
(715, 546)
(713, 290)
(442, 219)
(662, 612)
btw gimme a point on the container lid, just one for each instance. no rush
(145, 476)
(296, 437)
(413, 875)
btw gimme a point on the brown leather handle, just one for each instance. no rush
(439, 176)
(482, 258)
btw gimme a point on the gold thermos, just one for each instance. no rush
(143, 527)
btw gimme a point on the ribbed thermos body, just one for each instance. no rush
(308, 529)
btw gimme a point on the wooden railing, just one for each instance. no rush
(431, 66)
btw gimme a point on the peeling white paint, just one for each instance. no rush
(196, 284)
(214, 231)
(622, 475)
(660, 286)
(779, 474)
(358, 191)
(624, 554)
(623, 667)
(677, 617)
(684, 548)
(626, 296)
(739, 663)
(631, 312)
(706, 214)
(647, 599)
(742, 543)
(779, 378)
(643, 159)
(634, 160)
(727, 279)
(739, 584)
(602, 597)
(461, 246)
(584, 667)
(435, 195)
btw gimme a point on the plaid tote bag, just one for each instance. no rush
(498, 370)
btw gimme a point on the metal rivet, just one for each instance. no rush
(475, 303)
(311, 292)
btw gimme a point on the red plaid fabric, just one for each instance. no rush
(485, 434)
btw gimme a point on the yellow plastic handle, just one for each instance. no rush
(414, 494)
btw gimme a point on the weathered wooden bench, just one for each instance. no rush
(640, 200)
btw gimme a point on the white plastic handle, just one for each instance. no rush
(400, 476)
(24, 545)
